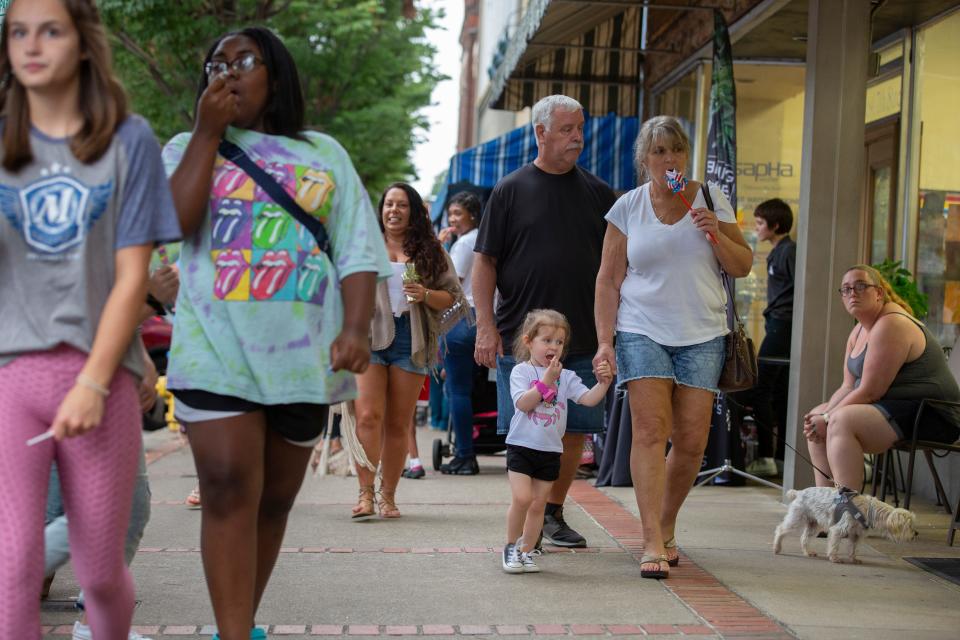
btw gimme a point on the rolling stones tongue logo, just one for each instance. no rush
(270, 227)
(228, 220)
(230, 265)
(227, 181)
(271, 274)
(315, 187)
(312, 279)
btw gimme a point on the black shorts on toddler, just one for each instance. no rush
(540, 465)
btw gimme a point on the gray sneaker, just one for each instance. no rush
(557, 532)
(511, 559)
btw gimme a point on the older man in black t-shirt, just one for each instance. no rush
(539, 245)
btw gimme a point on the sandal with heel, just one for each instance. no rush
(673, 554)
(364, 507)
(386, 503)
(658, 559)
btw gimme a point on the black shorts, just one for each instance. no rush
(540, 465)
(299, 422)
(935, 427)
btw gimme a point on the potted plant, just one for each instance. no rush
(905, 286)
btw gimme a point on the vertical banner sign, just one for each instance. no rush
(724, 445)
(722, 135)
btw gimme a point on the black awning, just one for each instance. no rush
(584, 50)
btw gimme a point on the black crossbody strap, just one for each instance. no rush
(733, 319)
(235, 154)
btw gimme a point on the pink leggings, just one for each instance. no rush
(96, 474)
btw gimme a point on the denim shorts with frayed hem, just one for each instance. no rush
(695, 365)
(398, 353)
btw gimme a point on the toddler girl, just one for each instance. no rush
(540, 388)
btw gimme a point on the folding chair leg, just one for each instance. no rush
(954, 524)
(942, 499)
(908, 479)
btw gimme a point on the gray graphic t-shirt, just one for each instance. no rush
(61, 222)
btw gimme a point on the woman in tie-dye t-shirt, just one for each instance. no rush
(269, 329)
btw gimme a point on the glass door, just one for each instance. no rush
(880, 190)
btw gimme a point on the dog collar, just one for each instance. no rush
(844, 504)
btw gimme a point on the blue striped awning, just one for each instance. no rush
(607, 153)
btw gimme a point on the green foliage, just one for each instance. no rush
(905, 286)
(366, 68)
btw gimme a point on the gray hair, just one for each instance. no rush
(543, 111)
(658, 129)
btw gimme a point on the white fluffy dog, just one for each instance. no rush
(813, 509)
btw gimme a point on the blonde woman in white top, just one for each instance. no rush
(659, 287)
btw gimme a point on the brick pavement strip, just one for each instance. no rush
(549, 630)
(725, 612)
(326, 630)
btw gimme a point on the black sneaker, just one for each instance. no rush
(556, 531)
(461, 467)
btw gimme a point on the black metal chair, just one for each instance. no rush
(888, 464)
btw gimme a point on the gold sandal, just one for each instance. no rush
(364, 505)
(673, 555)
(660, 560)
(386, 503)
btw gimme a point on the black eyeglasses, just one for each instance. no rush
(846, 291)
(244, 64)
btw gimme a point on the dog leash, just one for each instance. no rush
(786, 444)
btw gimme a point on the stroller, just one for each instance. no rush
(486, 441)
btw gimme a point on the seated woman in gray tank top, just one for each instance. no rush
(892, 362)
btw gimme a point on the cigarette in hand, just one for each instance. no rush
(46, 435)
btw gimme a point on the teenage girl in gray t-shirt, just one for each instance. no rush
(83, 199)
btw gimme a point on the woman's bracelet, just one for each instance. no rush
(90, 383)
(426, 295)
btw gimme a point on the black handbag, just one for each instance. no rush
(235, 154)
(740, 360)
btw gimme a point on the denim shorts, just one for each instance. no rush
(580, 419)
(695, 365)
(398, 353)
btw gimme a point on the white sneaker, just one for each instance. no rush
(763, 467)
(82, 632)
(511, 559)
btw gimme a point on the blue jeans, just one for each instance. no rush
(438, 402)
(459, 365)
(55, 532)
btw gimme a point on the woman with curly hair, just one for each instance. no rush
(405, 335)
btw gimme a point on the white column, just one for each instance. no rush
(838, 48)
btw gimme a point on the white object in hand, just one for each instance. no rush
(46, 435)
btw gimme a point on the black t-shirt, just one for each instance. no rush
(546, 232)
(780, 270)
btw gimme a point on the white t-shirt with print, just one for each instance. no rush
(672, 291)
(543, 427)
(461, 253)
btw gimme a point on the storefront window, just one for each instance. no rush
(938, 232)
(769, 146)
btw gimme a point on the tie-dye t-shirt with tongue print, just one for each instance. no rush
(259, 303)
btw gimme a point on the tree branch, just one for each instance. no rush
(152, 67)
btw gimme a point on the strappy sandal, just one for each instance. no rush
(193, 500)
(673, 559)
(386, 504)
(658, 559)
(364, 505)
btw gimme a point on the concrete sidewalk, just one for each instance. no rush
(436, 571)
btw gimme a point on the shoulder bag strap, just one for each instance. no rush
(235, 154)
(733, 316)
